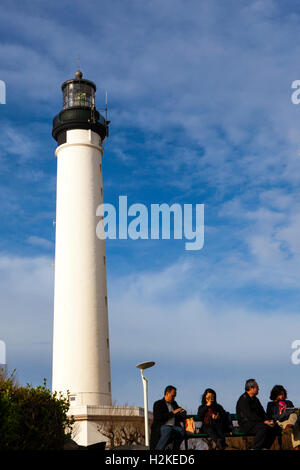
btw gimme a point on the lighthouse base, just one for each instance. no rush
(114, 425)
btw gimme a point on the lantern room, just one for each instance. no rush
(78, 92)
(79, 110)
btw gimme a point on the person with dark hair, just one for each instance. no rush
(282, 411)
(213, 417)
(167, 417)
(253, 419)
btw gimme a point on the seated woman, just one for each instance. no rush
(278, 410)
(213, 417)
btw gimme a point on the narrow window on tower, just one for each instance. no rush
(107, 341)
(104, 260)
(106, 300)
(109, 387)
(101, 192)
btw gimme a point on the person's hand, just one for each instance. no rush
(215, 415)
(177, 411)
(270, 423)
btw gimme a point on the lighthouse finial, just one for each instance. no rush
(78, 73)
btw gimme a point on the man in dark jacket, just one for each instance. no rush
(167, 416)
(252, 418)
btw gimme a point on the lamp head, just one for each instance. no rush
(145, 365)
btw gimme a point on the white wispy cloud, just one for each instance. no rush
(40, 242)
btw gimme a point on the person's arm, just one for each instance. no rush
(243, 410)
(289, 404)
(202, 411)
(222, 414)
(264, 417)
(262, 412)
(271, 411)
(178, 411)
(161, 412)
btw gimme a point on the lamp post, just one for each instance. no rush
(142, 366)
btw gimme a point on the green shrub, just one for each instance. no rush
(32, 418)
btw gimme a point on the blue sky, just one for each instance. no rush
(201, 112)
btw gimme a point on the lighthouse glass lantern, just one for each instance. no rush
(78, 92)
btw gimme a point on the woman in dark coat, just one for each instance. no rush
(282, 411)
(213, 417)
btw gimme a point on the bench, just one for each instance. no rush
(234, 433)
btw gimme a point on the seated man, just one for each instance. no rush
(167, 416)
(252, 418)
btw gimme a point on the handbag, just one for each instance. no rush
(189, 425)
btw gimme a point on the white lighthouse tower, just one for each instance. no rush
(81, 359)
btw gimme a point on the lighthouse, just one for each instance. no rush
(81, 357)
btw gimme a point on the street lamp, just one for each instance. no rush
(142, 366)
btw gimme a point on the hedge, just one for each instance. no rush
(32, 418)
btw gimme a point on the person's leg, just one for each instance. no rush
(259, 430)
(291, 423)
(278, 434)
(271, 434)
(221, 442)
(295, 435)
(210, 430)
(288, 423)
(281, 424)
(178, 434)
(165, 436)
(215, 432)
